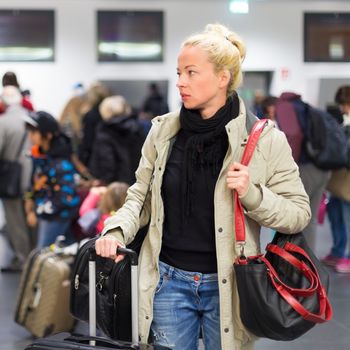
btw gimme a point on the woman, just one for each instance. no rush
(191, 159)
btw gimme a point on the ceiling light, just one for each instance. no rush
(239, 6)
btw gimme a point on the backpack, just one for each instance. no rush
(326, 142)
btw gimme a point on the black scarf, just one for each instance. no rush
(206, 145)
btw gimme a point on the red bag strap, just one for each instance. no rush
(247, 155)
(325, 310)
(310, 274)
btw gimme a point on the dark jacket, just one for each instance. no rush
(117, 150)
(90, 122)
(53, 184)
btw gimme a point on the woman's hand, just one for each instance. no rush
(107, 245)
(238, 178)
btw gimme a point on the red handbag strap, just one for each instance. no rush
(247, 155)
(325, 310)
(310, 274)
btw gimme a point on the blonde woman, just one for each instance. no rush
(191, 159)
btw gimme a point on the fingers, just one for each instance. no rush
(238, 178)
(106, 246)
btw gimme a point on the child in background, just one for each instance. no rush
(52, 201)
(100, 203)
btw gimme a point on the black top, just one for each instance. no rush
(188, 241)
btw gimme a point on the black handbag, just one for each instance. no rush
(113, 290)
(283, 293)
(10, 175)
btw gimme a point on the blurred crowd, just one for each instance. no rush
(75, 168)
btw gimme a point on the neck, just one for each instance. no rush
(210, 110)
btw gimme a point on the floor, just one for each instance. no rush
(334, 335)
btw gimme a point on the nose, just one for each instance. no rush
(180, 81)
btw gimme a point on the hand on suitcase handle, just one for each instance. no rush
(106, 246)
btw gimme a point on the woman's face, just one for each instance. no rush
(199, 86)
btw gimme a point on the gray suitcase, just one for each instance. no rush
(44, 292)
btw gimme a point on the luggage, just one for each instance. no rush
(70, 342)
(43, 300)
(113, 292)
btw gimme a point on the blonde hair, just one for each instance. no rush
(114, 197)
(96, 93)
(114, 105)
(225, 50)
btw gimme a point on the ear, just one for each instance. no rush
(225, 77)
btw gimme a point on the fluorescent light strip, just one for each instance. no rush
(25, 54)
(130, 50)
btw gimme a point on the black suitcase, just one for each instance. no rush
(113, 292)
(71, 341)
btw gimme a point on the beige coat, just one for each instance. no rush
(276, 199)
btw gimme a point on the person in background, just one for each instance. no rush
(96, 93)
(13, 138)
(189, 167)
(100, 204)
(268, 108)
(52, 200)
(71, 116)
(292, 118)
(153, 106)
(117, 145)
(259, 96)
(10, 79)
(338, 210)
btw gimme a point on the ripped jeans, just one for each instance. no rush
(185, 305)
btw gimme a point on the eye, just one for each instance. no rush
(191, 72)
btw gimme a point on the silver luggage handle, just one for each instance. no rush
(134, 293)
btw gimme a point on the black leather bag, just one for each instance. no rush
(10, 179)
(10, 175)
(283, 293)
(113, 290)
(282, 298)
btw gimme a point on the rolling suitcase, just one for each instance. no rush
(113, 293)
(44, 292)
(70, 341)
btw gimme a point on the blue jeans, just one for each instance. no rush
(49, 230)
(185, 304)
(339, 216)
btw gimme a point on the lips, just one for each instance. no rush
(184, 96)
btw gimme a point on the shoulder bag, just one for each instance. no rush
(10, 175)
(283, 293)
